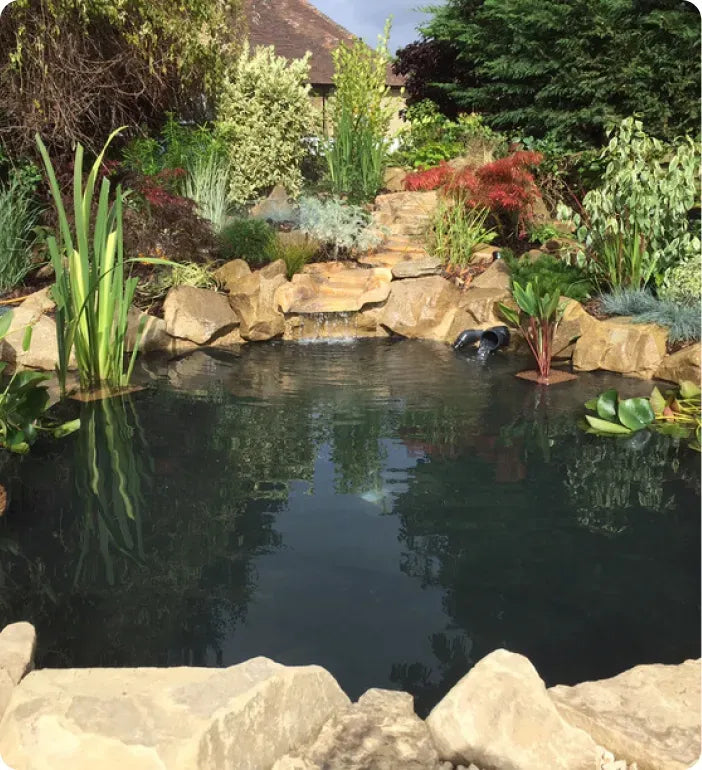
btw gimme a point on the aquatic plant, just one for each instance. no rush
(683, 319)
(675, 413)
(24, 401)
(539, 314)
(91, 294)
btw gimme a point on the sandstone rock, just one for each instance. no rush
(333, 288)
(394, 179)
(276, 207)
(254, 303)
(380, 731)
(383, 258)
(17, 646)
(497, 276)
(421, 307)
(618, 345)
(154, 336)
(231, 273)
(197, 315)
(483, 254)
(649, 715)
(682, 365)
(240, 718)
(500, 716)
(478, 309)
(416, 268)
(406, 213)
(575, 319)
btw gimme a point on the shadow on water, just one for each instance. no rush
(391, 511)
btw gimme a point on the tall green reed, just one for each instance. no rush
(18, 218)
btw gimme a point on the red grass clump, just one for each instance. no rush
(429, 179)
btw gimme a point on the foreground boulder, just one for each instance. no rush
(240, 718)
(17, 645)
(197, 315)
(333, 288)
(618, 345)
(380, 731)
(253, 301)
(421, 308)
(649, 715)
(500, 716)
(232, 273)
(682, 365)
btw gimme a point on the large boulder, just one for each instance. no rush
(198, 315)
(394, 179)
(240, 718)
(682, 365)
(231, 273)
(276, 207)
(333, 288)
(406, 213)
(17, 646)
(255, 304)
(649, 715)
(380, 731)
(574, 321)
(497, 276)
(154, 336)
(618, 345)
(421, 307)
(478, 309)
(500, 716)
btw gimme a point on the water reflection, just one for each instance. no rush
(389, 510)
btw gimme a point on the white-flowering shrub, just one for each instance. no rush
(339, 226)
(264, 113)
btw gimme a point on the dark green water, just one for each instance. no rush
(387, 510)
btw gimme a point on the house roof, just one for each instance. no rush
(294, 27)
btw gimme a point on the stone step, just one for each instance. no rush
(391, 258)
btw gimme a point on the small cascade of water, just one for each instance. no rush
(328, 327)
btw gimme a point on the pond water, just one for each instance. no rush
(388, 510)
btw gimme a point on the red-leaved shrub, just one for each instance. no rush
(505, 187)
(429, 179)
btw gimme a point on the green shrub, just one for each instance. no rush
(181, 274)
(18, 218)
(360, 114)
(635, 226)
(264, 114)
(247, 239)
(295, 253)
(682, 283)
(456, 231)
(684, 320)
(553, 276)
(340, 227)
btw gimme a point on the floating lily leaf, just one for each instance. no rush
(605, 426)
(607, 404)
(635, 413)
(689, 389)
(657, 401)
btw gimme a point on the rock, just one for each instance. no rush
(231, 273)
(416, 268)
(384, 259)
(197, 315)
(154, 336)
(17, 646)
(575, 319)
(406, 213)
(380, 731)
(497, 276)
(682, 365)
(394, 179)
(421, 307)
(478, 309)
(618, 345)
(649, 715)
(483, 254)
(333, 288)
(276, 207)
(500, 716)
(254, 303)
(244, 717)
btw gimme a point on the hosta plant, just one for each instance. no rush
(675, 413)
(538, 317)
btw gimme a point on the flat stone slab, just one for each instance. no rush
(241, 718)
(416, 268)
(333, 288)
(649, 715)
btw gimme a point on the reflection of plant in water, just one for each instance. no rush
(605, 480)
(111, 470)
(358, 453)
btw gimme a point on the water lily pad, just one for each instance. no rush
(605, 426)
(607, 404)
(657, 401)
(689, 389)
(635, 413)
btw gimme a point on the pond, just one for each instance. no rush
(388, 510)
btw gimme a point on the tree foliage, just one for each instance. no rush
(74, 69)
(565, 70)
